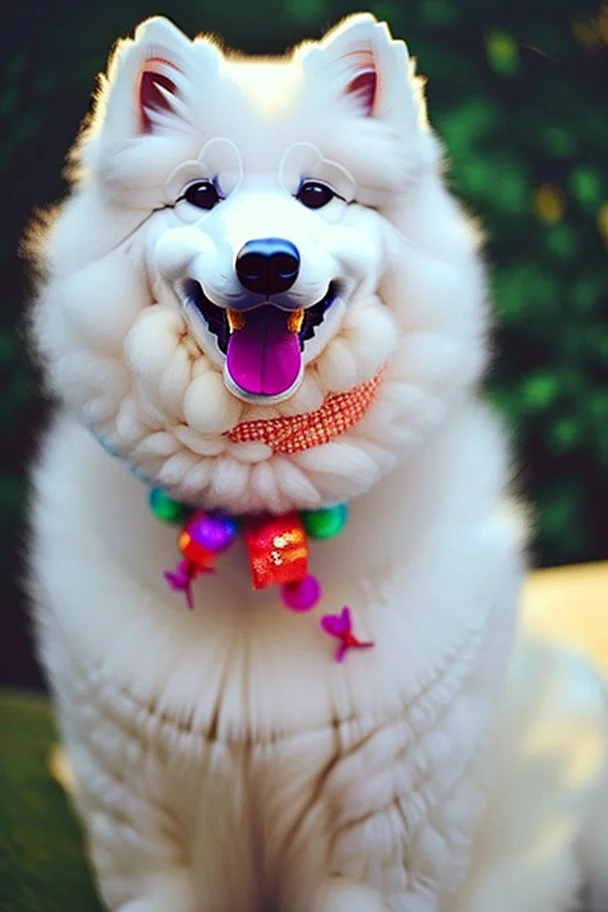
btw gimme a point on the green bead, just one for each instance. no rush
(325, 523)
(167, 509)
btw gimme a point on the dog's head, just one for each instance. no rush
(259, 292)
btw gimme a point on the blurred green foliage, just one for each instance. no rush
(515, 92)
(42, 863)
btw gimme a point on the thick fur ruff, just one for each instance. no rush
(222, 761)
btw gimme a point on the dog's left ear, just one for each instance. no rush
(370, 69)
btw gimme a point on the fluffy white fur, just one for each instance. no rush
(111, 324)
(224, 762)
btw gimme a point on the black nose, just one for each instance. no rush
(267, 266)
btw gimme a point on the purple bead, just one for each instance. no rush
(212, 531)
(303, 595)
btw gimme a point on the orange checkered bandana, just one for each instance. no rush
(297, 433)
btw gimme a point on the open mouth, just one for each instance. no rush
(263, 346)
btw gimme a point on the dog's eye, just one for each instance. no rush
(202, 194)
(315, 194)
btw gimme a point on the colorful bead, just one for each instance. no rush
(167, 509)
(193, 552)
(214, 532)
(277, 548)
(325, 523)
(204, 536)
(302, 595)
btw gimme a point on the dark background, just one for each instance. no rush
(519, 93)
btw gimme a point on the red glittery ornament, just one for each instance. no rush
(277, 548)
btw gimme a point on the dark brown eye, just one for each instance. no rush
(314, 194)
(202, 194)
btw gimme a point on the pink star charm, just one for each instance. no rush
(340, 626)
(181, 579)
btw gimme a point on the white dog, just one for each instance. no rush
(262, 299)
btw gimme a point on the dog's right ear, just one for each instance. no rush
(146, 112)
(149, 77)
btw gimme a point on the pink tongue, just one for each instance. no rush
(264, 357)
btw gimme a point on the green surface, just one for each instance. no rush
(42, 865)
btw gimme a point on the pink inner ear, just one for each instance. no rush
(363, 87)
(151, 98)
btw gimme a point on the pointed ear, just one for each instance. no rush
(363, 86)
(148, 80)
(157, 93)
(369, 69)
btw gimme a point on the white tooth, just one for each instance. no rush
(236, 320)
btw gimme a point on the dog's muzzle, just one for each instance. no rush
(262, 341)
(263, 355)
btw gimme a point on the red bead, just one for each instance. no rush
(194, 551)
(205, 536)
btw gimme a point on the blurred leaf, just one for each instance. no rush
(565, 434)
(539, 392)
(598, 419)
(587, 186)
(307, 11)
(587, 293)
(586, 34)
(562, 520)
(549, 203)
(602, 222)
(496, 178)
(562, 241)
(467, 124)
(440, 13)
(527, 293)
(503, 53)
(560, 141)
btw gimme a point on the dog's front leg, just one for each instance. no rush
(138, 861)
(136, 841)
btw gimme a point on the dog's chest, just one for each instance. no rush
(381, 792)
(264, 755)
